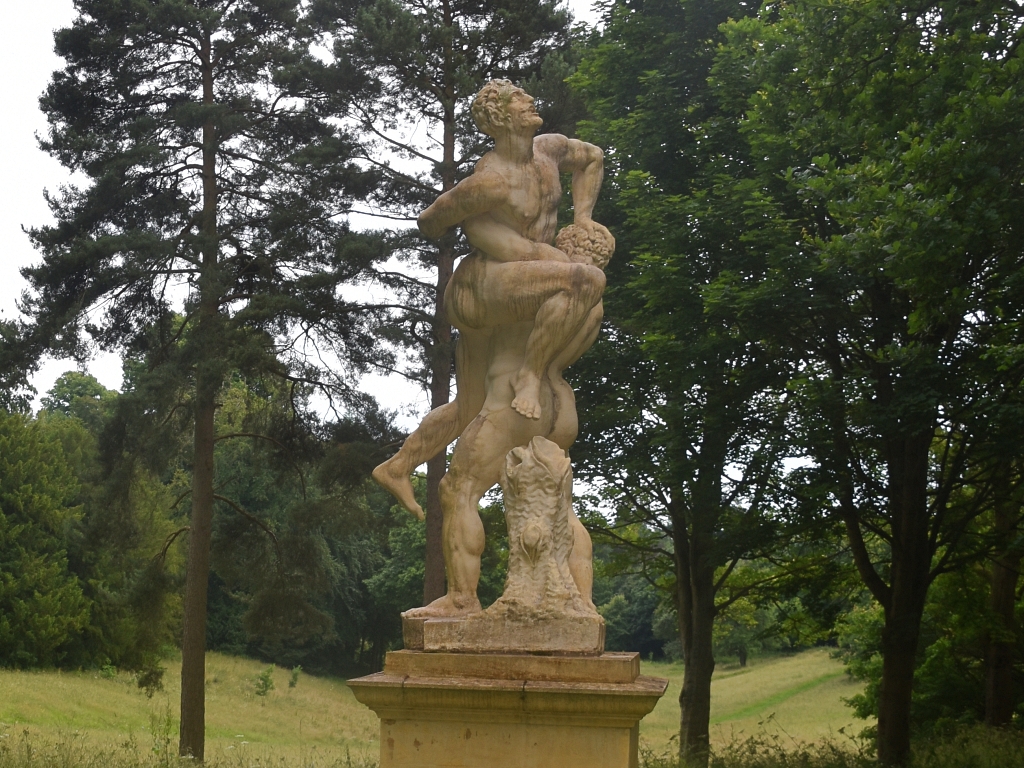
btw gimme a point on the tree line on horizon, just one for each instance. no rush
(799, 425)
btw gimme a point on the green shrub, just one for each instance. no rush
(264, 681)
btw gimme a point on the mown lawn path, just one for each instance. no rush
(760, 707)
(798, 696)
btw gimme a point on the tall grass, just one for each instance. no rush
(25, 749)
(970, 748)
(973, 747)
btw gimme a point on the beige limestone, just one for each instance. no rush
(541, 608)
(525, 310)
(609, 667)
(431, 719)
(484, 633)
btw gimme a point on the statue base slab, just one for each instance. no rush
(482, 633)
(464, 710)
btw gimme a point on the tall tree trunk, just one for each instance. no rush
(699, 661)
(193, 644)
(192, 740)
(907, 466)
(698, 667)
(1002, 644)
(441, 355)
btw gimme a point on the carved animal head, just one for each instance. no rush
(537, 473)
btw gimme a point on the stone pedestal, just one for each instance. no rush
(467, 710)
(484, 633)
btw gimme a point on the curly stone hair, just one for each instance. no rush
(490, 107)
(583, 247)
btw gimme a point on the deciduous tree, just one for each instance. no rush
(888, 135)
(681, 401)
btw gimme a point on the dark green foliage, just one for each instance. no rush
(207, 240)
(949, 676)
(628, 605)
(398, 585)
(886, 147)
(683, 405)
(116, 548)
(42, 606)
(138, 145)
(102, 600)
(828, 222)
(16, 365)
(297, 532)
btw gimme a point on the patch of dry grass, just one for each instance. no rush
(319, 719)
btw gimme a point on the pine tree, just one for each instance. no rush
(41, 604)
(429, 59)
(207, 236)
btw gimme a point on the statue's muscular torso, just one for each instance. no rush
(531, 193)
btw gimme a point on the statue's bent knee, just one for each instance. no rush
(587, 281)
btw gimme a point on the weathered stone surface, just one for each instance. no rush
(536, 482)
(498, 720)
(606, 668)
(482, 633)
(541, 609)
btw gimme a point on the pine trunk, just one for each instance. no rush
(193, 643)
(999, 657)
(440, 394)
(911, 569)
(192, 740)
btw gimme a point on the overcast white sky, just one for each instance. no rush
(27, 59)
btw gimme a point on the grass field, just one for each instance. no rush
(797, 695)
(318, 716)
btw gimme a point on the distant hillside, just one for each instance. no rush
(318, 715)
(799, 696)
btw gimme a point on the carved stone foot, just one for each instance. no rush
(396, 481)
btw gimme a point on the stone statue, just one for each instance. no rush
(525, 310)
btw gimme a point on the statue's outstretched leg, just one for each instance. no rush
(443, 424)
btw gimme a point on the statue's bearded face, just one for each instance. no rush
(522, 114)
(501, 106)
